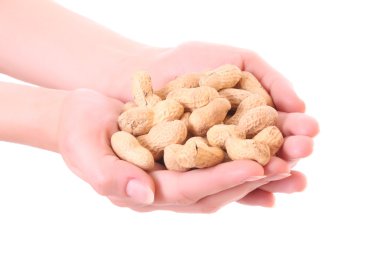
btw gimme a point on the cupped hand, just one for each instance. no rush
(89, 119)
(297, 127)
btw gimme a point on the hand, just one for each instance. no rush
(87, 122)
(297, 127)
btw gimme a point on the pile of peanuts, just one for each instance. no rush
(198, 120)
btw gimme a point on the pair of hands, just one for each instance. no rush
(89, 119)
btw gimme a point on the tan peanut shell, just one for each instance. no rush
(203, 118)
(142, 90)
(136, 120)
(193, 98)
(129, 149)
(218, 134)
(170, 158)
(167, 110)
(195, 153)
(139, 120)
(248, 149)
(256, 119)
(226, 76)
(271, 136)
(162, 135)
(235, 96)
(250, 102)
(185, 81)
(250, 83)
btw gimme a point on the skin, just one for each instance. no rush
(98, 59)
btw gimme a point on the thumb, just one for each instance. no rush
(119, 179)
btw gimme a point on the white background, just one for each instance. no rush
(328, 49)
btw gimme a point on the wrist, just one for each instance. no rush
(53, 118)
(30, 115)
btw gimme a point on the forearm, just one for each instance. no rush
(30, 115)
(48, 45)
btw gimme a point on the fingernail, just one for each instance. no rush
(278, 176)
(254, 178)
(140, 192)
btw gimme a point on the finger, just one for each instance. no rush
(188, 187)
(258, 198)
(276, 166)
(297, 124)
(96, 163)
(123, 180)
(276, 169)
(213, 203)
(295, 183)
(296, 147)
(281, 90)
(86, 148)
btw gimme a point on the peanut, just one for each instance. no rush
(129, 149)
(142, 90)
(250, 83)
(193, 98)
(162, 135)
(195, 153)
(186, 81)
(232, 139)
(137, 120)
(226, 76)
(203, 118)
(256, 119)
(250, 102)
(272, 137)
(238, 149)
(167, 110)
(170, 157)
(218, 134)
(235, 96)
